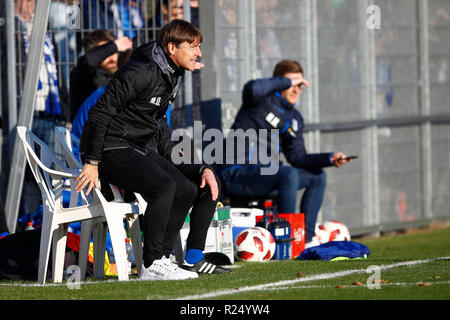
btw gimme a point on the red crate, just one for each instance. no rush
(297, 221)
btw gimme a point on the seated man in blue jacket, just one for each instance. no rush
(269, 104)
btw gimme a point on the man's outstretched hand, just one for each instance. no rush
(208, 178)
(339, 159)
(87, 178)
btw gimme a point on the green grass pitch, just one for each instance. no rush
(412, 266)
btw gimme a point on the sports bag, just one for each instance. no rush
(336, 250)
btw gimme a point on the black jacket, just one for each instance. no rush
(131, 112)
(87, 76)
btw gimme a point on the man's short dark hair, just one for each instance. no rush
(178, 31)
(92, 39)
(287, 66)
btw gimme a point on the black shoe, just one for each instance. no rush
(204, 267)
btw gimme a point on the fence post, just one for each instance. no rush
(425, 109)
(16, 175)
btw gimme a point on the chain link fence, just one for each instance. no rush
(379, 71)
(69, 21)
(380, 90)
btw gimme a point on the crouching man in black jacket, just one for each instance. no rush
(126, 142)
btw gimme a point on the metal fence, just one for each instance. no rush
(69, 21)
(380, 89)
(379, 75)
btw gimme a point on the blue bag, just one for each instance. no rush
(336, 250)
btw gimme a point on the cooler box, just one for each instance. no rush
(297, 221)
(243, 218)
(280, 229)
(219, 237)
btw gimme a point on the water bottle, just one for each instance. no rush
(268, 216)
(29, 226)
(130, 256)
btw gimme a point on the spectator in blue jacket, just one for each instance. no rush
(269, 104)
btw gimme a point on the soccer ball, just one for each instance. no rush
(254, 244)
(332, 231)
(271, 243)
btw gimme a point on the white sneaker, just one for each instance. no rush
(164, 269)
(313, 243)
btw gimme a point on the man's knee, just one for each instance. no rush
(187, 189)
(288, 176)
(321, 177)
(166, 190)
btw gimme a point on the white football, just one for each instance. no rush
(272, 245)
(332, 231)
(253, 245)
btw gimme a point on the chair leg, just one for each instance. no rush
(85, 238)
(117, 234)
(178, 248)
(59, 252)
(135, 232)
(45, 245)
(100, 230)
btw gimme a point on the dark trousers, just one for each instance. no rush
(169, 195)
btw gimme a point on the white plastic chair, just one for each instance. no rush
(115, 212)
(53, 177)
(68, 141)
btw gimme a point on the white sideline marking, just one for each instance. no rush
(279, 284)
(399, 284)
(322, 276)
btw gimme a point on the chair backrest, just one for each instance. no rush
(50, 173)
(69, 142)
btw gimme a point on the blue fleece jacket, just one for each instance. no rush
(263, 107)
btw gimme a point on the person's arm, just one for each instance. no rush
(296, 155)
(117, 95)
(95, 56)
(338, 159)
(294, 149)
(209, 178)
(165, 144)
(255, 90)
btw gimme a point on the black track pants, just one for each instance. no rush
(169, 195)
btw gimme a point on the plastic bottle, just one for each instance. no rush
(129, 250)
(270, 211)
(30, 226)
(268, 215)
